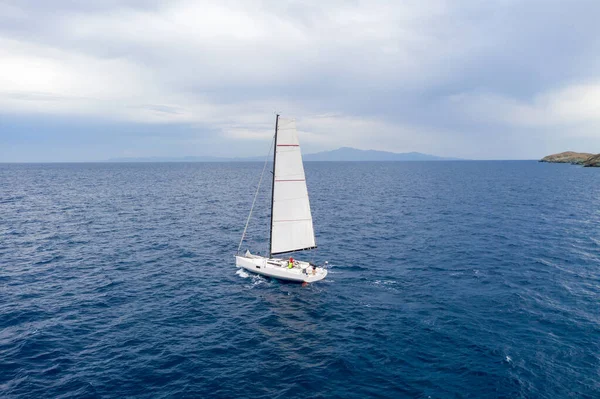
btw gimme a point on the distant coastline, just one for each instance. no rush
(575, 158)
(340, 154)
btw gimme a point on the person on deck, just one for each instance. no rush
(291, 263)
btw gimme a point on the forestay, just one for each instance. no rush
(292, 226)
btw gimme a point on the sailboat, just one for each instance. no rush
(291, 227)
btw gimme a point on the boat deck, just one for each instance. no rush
(279, 268)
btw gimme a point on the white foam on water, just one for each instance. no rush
(257, 280)
(386, 282)
(242, 273)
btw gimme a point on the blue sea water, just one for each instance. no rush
(447, 279)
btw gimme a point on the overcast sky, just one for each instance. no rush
(497, 79)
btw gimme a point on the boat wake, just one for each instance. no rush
(255, 279)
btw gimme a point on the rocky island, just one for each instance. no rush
(575, 158)
(593, 161)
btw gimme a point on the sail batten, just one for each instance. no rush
(291, 221)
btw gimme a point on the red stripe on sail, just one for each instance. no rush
(288, 145)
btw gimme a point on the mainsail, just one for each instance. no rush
(291, 220)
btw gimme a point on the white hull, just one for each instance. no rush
(301, 272)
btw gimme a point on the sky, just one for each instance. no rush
(497, 79)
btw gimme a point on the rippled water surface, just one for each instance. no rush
(447, 279)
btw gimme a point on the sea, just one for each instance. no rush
(456, 279)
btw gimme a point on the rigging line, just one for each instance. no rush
(255, 195)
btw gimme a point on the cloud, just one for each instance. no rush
(439, 76)
(572, 105)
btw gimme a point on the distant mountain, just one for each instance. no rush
(341, 154)
(186, 159)
(353, 154)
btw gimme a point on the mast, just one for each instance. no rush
(273, 186)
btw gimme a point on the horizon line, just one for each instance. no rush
(226, 160)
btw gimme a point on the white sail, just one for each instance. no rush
(292, 226)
